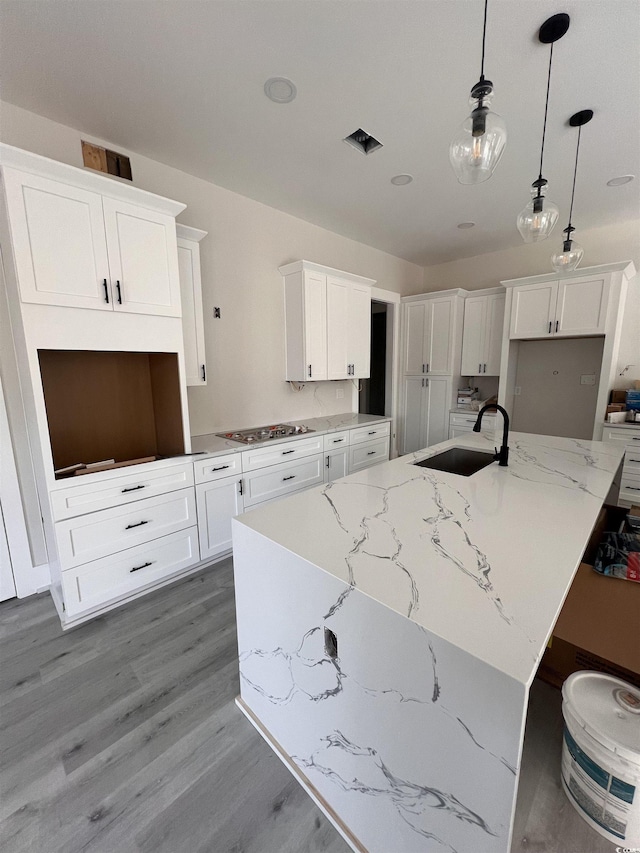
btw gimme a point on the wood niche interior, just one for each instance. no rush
(111, 405)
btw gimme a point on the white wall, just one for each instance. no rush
(605, 245)
(247, 242)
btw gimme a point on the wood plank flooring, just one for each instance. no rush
(122, 736)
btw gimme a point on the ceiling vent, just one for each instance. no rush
(363, 141)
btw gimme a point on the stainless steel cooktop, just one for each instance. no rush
(256, 434)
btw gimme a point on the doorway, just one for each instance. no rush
(372, 396)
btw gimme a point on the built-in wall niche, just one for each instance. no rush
(100, 406)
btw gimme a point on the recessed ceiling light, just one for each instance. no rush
(619, 181)
(463, 225)
(280, 90)
(401, 180)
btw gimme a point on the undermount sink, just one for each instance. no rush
(458, 460)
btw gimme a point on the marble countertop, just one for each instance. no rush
(484, 562)
(213, 445)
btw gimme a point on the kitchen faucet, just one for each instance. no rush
(502, 455)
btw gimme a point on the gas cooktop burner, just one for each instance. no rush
(251, 436)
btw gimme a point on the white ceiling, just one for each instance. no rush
(182, 82)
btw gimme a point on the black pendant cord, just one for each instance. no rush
(570, 227)
(546, 110)
(484, 36)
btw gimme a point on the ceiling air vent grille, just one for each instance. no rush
(363, 141)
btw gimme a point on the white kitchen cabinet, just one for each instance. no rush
(426, 411)
(462, 423)
(482, 335)
(560, 308)
(336, 464)
(218, 502)
(80, 247)
(370, 453)
(276, 481)
(195, 359)
(327, 323)
(429, 329)
(627, 438)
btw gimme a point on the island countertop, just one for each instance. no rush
(484, 562)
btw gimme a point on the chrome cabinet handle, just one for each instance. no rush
(106, 290)
(143, 566)
(138, 524)
(219, 468)
(292, 477)
(132, 489)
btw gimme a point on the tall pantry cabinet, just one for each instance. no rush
(431, 346)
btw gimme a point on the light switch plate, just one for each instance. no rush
(339, 393)
(588, 379)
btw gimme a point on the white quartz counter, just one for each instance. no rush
(212, 445)
(484, 562)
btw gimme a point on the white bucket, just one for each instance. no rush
(601, 754)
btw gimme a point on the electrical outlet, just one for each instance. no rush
(517, 390)
(588, 379)
(339, 393)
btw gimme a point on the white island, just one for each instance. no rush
(440, 592)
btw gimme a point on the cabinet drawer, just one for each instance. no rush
(630, 487)
(282, 479)
(260, 457)
(632, 461)
(336, 440)
(629, 437)
(89, 537)
(92, 494)
(488, 421)
(103, 581)
(370, 433)
(363, 455)
(217, 467)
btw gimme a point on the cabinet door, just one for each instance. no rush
(415, 329)
(438, 338)
(336, 464)
(359, 331)
(473, 349)
(143, 259)
(582, 306)
(414, 421)
(59, 242)
(218, 502)
(192, 315)
(315, 325)
(494, 325)
(455, 431)
(437, 410)
(338, 298)
(533, 310)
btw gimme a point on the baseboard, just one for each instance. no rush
(308, 786)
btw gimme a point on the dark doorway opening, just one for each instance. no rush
(372, 396)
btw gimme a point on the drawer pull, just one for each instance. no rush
(219, 468)
(137, 524)
(634, 460)
(292, 477)
(132, 489)
(371, 453)
(106, 290)
(636, 439)
(372, 433)
(632, 488)
(143, 566)
(284, 452)
(337, 440)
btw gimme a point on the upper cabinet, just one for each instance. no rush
(328, 323)
(429, 325)
(191, 294)
(87, 241)
(563, 308)
(482, 335)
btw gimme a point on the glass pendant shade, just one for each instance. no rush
(538, 219)
(569, 258)
(476, 149)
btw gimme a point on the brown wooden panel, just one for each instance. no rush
(102, 405)
(94, 157)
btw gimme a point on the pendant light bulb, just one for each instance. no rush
(477, 147)
(538, 218)
(569, 258)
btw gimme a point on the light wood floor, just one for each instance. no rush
(122, 736)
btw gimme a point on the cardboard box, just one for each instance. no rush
(619, 395)
(598, 625)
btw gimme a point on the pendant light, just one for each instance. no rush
(539, 217)
(572, 252)
(477, 147)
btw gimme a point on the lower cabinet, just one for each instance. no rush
(461, 423)
(368, 453)
(426, 411)
(218, 502)
(276, 481)
(336, 464)
(627, 438)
